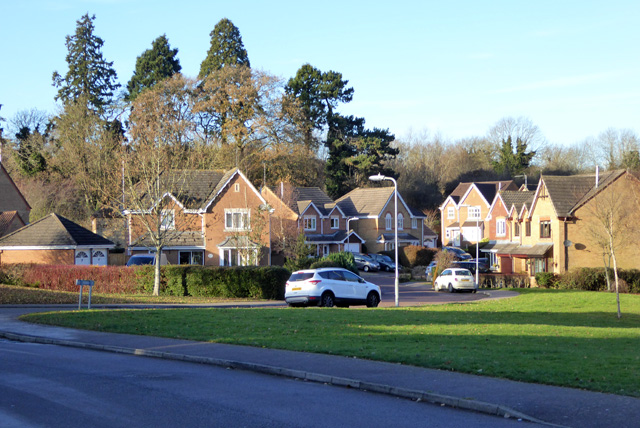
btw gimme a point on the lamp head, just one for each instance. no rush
(377, 177)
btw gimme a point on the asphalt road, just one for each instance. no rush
(54, 386)
(415, 293)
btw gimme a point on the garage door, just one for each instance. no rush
(354, 248)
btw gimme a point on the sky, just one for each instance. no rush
(453, 68)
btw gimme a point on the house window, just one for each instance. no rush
(325, 250)
(191, 258)
(501, 227)
(388, 222)
(309, 223)
(335, 222)
(448, 233)
(516, 228)
(400, 221)
(545, 229)
(167, 220)
(451, 213)
(414, 223)
(527, 228)
(236, 187)
(473, 213)
(237, 219)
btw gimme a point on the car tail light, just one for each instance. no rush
(314, 281)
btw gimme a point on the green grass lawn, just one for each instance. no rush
(566, 338)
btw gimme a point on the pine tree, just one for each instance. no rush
(512, 162)
(90, 76)
(226, 49)
(154, 65)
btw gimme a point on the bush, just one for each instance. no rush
(237, 281)
(107, 279)
(417, 255)
(546, 279)
(504, 281)
(343, 259)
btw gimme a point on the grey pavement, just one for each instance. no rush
(549, 405)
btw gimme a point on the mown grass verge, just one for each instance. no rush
(567, 338)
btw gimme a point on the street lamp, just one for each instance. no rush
(348, 220)
(477, 235)
(380, 177)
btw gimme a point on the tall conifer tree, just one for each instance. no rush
(90, 76)
(154, 65)
(226, 49)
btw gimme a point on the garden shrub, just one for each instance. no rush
(504, 281)
(546, 279)
(343, 259)
(417, 255)
(107, 279)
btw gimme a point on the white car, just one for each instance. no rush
(330, 287)
(454, 279)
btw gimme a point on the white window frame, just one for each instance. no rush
(310, 222)
(501, 227)
(236, 187)
(451, 213)
(473, 213)
(167, 220)
(335, 222)
(388, 221)
(325, 250)
(414, 223)
(237, 219)
(400, 221)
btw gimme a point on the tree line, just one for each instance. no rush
(77, 161)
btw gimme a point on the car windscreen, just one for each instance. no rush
(300, 276)
(136, 261)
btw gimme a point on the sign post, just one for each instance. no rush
(82, 283)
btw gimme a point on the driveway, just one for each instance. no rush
(416, 293)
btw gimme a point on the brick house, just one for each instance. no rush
(464, 211)
(311, 211)
(554, 231)
(506, 224)
(14, 209)
(54, 240)
(374, 209)
(217, 218)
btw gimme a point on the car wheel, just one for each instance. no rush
(451, 290)
(387, 268)
(365, 268)
(372, 300)
(327, 300)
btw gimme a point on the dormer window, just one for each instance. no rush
(309, 223)
(388, 222)
(451, 213)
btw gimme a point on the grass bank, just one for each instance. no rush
(567, 338)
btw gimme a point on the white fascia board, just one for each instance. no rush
(44, 247)
(473, 186)
(449, 198)
(311, 204)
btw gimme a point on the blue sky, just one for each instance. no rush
(449, 67)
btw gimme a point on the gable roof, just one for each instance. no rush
(603, 182)
(196, 190)
(517, 199)
(54, 231)
(566, 191)
(8, 219)
(11, 199)
(365, 202)
(305, 196)
(487, 190)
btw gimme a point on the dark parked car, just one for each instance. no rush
(459, 253)
(471, 265)
(385, 262)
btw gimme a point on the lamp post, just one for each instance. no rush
(380, 177)
(477, 236)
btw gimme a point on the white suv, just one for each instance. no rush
(330, 286)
